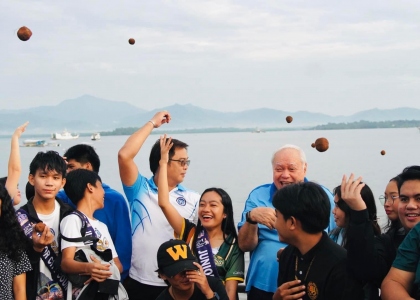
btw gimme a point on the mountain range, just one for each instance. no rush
(87, 114)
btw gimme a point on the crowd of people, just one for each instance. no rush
(76, 237)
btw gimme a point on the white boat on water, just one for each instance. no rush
(34, 143)
(65, 135)
(96, 136)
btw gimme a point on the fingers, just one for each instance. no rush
(292, 290)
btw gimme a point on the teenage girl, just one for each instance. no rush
(213, 240)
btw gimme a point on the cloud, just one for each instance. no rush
(227, 55)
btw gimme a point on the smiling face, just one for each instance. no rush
(177, 172)
(339, 215)
(211, 210)
(409, 206)
(391, 206)
(46, 184)
(288, 168)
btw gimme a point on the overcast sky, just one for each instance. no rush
(335, 57)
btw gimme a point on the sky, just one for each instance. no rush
(333, 57)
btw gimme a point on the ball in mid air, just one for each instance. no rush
(24, 33)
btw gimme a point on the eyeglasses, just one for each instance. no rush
(182, 162)
(384, 199)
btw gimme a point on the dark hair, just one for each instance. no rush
(228, 223)
(369, 199)
(12, 239)
(393, 226)
(154, 157)
(83, 153)
(77, 181)
(29, 191)
(48, 161)
(307, 202)
(409, 173)
(3, 181)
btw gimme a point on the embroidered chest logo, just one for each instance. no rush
(312, 290)
(181, 201)
(218, 260)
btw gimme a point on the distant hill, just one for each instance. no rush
(87, 114)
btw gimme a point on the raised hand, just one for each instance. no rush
(200, 279)
(161, 118)
(21, 129)
(350, 192)
(165, 145)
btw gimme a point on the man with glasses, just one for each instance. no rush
(149, 227)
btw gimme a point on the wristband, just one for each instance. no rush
(248, 218)
(153, 123)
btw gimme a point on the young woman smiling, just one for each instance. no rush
(214, 239)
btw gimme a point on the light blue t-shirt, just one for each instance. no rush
(263, 266)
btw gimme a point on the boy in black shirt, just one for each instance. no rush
(312, 266)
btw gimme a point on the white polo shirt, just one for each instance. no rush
(149, 227)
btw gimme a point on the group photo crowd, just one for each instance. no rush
(78, 238)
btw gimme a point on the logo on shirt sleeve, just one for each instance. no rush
(181, 201)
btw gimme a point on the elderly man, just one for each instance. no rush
(257, 231)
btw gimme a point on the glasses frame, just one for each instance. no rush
(182, 162)
(384, 199)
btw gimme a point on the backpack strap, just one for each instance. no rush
(85, 223)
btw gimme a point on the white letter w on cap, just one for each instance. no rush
(180, 252)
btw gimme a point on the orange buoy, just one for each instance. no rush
(24, 33)
(289, 119)
(131, 41)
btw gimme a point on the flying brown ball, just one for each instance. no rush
(322, 144)
(383, 152)
(24, 33)
(131, 41)
(289, 119)
(313, 145)
(39, 227)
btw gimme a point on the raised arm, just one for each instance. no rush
(127, 166)
(171, 214)
(14, 167)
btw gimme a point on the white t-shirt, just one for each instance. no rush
(45, 279)
(149, 225)
(70, 227)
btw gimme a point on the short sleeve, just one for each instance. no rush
(408, 254)
(187, 232)
(23, 265)
(235, 265)
(70, 227)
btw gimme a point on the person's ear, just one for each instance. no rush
(89, 187)
(63, 182)
(88, 166)
(31, 179)
(293, 223)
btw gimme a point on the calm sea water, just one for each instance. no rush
(238, 162)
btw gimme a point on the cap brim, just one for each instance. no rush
(186, 265)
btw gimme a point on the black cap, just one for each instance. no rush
(174, 256)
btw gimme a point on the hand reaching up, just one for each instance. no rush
(350, 192)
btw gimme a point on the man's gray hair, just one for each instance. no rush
(290, 146)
